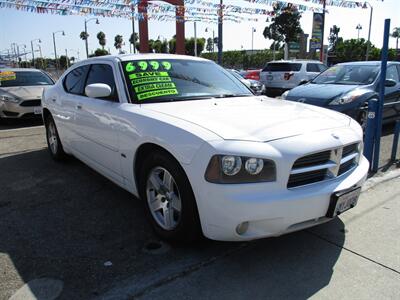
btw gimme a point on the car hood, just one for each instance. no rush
(319, 94)
(23, 92)
(259, 119)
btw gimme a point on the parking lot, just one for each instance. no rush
(68, 232)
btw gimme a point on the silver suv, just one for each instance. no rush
(283, 75)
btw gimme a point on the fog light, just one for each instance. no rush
(242, 228)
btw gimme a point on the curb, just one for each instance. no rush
(374, 181)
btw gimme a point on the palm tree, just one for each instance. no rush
(118, 42)
(84, 35)
(101, 36)
(396, 35)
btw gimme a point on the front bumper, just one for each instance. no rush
(270, 208)
(22, 109)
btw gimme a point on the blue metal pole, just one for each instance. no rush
(370, 129)
(384, 57)
(395, 141)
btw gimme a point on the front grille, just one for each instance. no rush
(323, 165)
(313, 159)
(31, 103)
(306, 178)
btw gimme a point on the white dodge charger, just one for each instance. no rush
(204, 154)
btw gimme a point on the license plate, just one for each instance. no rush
(37, 110)
(342, 201)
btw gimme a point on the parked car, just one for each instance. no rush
(21, 91)
(280, 76)
(204, 154)
(257, 87)
(347, 87)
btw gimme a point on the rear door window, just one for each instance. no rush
(282, 67)
(75, 80)
(312, 68)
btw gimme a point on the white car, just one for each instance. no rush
(204, 154)
(20, 92)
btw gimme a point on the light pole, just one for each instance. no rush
(359, 27)
(54, 44)
(252, 39)
(220, 31)
(213, 37)
(66, 58)
(86, 34)
(195, 38)
(369, 29)
(33, 52)
(24, 46)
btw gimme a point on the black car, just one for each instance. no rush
(347, 87)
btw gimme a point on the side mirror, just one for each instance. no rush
(98, 90)
(390, 83)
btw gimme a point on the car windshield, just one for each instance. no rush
(24, 78)
(164, 80)
(348, 74)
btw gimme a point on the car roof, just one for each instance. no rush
(19, 70)
(368, 63)
(128, 57)
(296, 61)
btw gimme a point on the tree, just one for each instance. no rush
(189, 46)
(100, 52)
(63, 62)
(396, 35)
(101, 36)
(209, 45)
(134, 39)
(84, 35)
(333, 37)
(285, 26)
(118, 42)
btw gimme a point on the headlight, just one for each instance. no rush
(347, 98)
(240, 169)
(284, 95)
(8, 99)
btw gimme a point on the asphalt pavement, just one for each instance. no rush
(66, 232)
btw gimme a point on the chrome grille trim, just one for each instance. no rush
(341, 160)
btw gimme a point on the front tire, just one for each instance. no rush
(169, 199)
(53, 140)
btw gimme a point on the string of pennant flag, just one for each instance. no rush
(194, 10)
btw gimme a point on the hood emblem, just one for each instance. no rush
(335, 136)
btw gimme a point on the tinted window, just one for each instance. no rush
(392, 73)
(282, 67)
(100, 73)
(164, 80)
(24, 78)
(74, 81)
(313, 68)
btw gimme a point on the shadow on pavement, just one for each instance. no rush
(65, 222)
(15, 123)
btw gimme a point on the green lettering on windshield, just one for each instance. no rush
(154, 86)
(154, 94)
(148, 74)
(150, 80)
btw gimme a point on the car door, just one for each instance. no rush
(392, 94)
(64, 104)
(97, 123)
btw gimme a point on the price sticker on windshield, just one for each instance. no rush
(7, 75)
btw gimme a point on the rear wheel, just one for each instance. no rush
(53, 140)
(169, 199)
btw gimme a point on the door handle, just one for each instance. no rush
(79, 106)
(54, 99)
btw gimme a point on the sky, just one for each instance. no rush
(22, 27)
